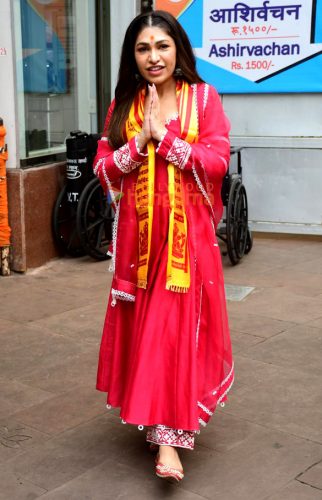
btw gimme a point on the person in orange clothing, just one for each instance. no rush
(4, 223)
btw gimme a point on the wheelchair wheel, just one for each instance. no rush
(94, 220)
(249, 242)
(64, 225)
(236, 221)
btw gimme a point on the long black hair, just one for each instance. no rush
(128, 83)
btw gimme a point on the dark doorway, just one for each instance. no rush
(103, 62)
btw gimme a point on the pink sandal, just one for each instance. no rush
(169, 473)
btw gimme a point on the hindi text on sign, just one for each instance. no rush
(242, 11)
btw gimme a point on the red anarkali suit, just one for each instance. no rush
(165, 357)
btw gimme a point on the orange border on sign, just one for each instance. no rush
(175, 7)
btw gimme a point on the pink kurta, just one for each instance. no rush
(165, 357)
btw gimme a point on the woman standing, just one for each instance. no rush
(165, 356)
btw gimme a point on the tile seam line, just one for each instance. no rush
(280, 489)
(26, 321)
(249, 334)
(53, 436)
(52, 491)
(278, 430)
(271, 336)
(269, 364)
(25, 479)
(307, 484)
(265, 339)
(307, 469)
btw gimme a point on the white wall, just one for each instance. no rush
(282, 159)
(7, 80)
(274, 115)
(284, 189)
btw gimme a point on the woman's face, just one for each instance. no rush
(155, 55)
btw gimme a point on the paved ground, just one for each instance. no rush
(57, 441)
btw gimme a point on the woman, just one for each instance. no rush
(165, 356)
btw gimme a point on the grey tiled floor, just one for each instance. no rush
(58, 442)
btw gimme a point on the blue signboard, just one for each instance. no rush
(257, 46)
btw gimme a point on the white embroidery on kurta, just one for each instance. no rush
(117, 204)
(195, 100)
(194, 170)
(119, 295)
(202, 189)
(224, 394)
(179, 153)
(199, 317)
(205, 98)
(122, 159)
(225, 379)
(101, 160)
(107, 181)
(213, 226)
(175, 116)
(205, 409)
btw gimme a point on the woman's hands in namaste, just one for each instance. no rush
(153, 127)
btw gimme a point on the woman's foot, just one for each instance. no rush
(168, 464)
(168, 455)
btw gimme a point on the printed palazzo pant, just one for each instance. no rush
(161, 434)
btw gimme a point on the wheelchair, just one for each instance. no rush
(233, 229)
(82, 216)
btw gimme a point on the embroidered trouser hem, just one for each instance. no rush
(160, 434)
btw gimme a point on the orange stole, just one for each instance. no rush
(178, 266)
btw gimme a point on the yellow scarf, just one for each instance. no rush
(178, 267)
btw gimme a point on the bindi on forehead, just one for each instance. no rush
(152, 36)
